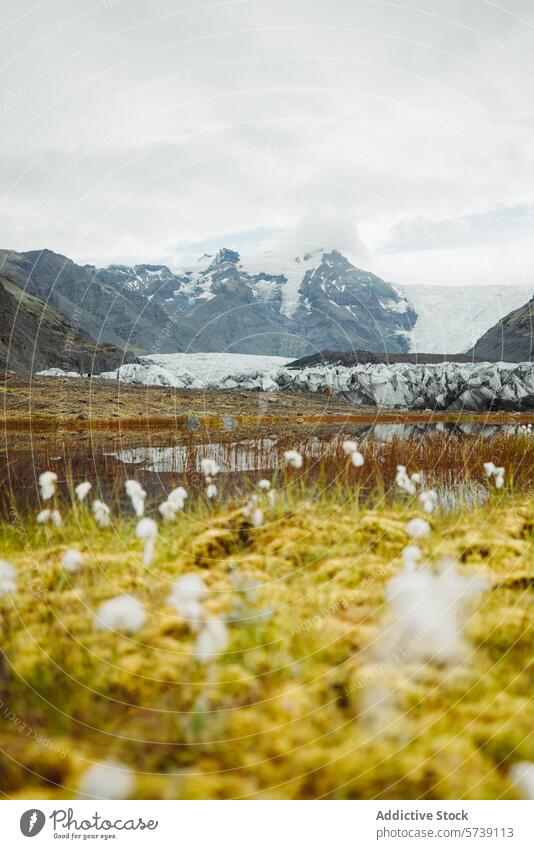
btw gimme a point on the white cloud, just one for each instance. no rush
(135, 131)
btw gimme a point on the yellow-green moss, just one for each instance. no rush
(283, 713)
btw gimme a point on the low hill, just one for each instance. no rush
(359, 357)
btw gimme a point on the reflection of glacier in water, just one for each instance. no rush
(249, 455)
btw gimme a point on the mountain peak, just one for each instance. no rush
(227, 255)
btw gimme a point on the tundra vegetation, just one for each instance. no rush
(356, 625)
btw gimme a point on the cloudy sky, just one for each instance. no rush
(399, 132)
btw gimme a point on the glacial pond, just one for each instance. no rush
(451, 457)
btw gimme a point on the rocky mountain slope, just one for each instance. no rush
(275, 306)
(511, 339)
(101, 309)
(267, 304)
(293, 306)
(34, 335)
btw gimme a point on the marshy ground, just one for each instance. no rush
(301, 705)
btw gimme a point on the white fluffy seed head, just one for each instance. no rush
(212, 640)
(53, 516)
(101, 513)
(137, 495)
(264, 484)
(411, 555)
(256, 517)
(108, 779)
(357, 459)
(47, 484)
(418, 528)
(187, 596)
(426, 613)
(82, 490)
(350, 446)
(72, 560)
(168, 510)
(209, 467)
(211, 491)
(121, 613)
(428, 500)
(293, 458)
(146, 529)
(7, 578)
(178, 496)
(522, 775)
(190, 587)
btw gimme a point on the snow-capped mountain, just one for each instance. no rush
(267, 304)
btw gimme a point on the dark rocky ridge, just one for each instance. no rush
(511, 339)
(360, 357)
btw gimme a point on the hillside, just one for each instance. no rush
(35, 336)
(102, 310)
(511, 339)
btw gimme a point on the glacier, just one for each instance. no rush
(442, 386)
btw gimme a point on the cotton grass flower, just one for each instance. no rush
(428, 500)
(349, 446)
(257, 517)
(212, 640)
(407, 482)
(426, 612)
(147, 530)
(211, 491)
(101, 513)
(209, 467)
(357, 459)
(121, 613)
(137, 495)
(168, 510)
(72, 560)
(522, 775)
(52, 516)
(8, 575)
(411, 555)
(496, 472)
(187, 596)
(178, 496)
(47, 485)
(264, 485)
(293, 458)
(108, 779)
(83, 490)
(418, 528)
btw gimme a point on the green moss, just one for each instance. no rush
(285, 712)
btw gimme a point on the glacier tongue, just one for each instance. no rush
(443, 386)
(453, 318)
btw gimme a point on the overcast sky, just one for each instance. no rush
(399, 132)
